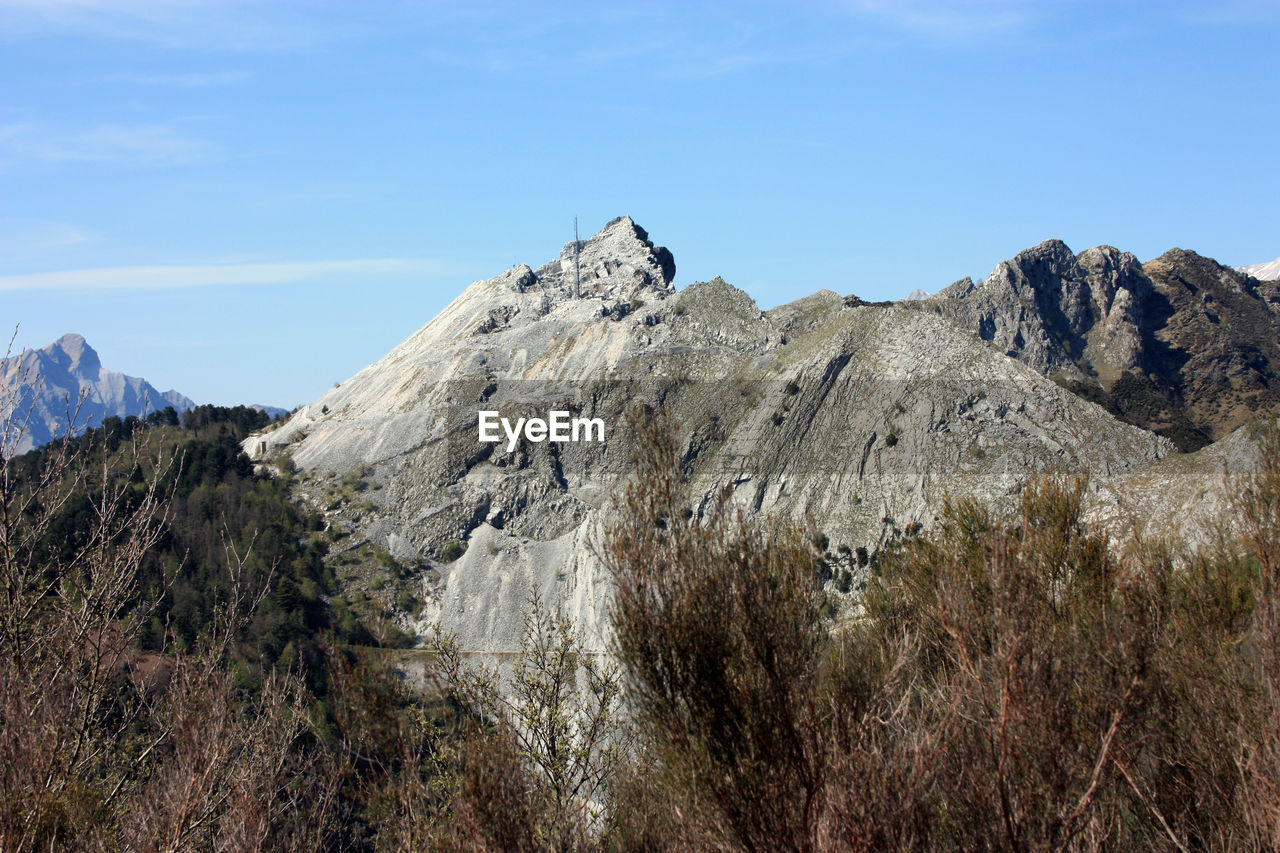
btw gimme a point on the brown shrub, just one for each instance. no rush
(1012, 683)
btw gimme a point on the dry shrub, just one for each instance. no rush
(541, 746)
(102, 747)
(1086, 698)
(717, 629)
(654, 809)
(229, 774)
(390, 754)
(495, 804)
(1012, 683)
(1258, 525)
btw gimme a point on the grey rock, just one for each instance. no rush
(862, 418)
(1059, 314)
(1181, 345)
(64, 382)
(1185, 499)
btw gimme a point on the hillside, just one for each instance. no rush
(863, 418)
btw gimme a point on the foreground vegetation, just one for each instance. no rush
(173, 677)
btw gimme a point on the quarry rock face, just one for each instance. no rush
(862, 418)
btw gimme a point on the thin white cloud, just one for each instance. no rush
(193, 80)
(673, 54)
(154, 144)
(206, 275)
(952, 19)
(221, 25)
(18, 234)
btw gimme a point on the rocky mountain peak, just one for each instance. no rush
(1185, 264)
(863, 417)
(958, 289)
(619, 263)
(1181, 345)
(1040, 305)
(620, 255)
(66, 378)
(1264, 272)
(72, 353)
(1197, 272)
(1043, 262)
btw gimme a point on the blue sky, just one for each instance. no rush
(248, 201)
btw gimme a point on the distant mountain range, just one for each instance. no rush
(273, 411)
(66, 378)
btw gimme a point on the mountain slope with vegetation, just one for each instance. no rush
(1011, 680)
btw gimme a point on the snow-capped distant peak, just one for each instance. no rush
(1264, 272)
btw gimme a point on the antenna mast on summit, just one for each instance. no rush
(577, 278)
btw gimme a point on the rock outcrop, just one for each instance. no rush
(862, 418)
(1183, 498)
(1181, 345)
(49, 385)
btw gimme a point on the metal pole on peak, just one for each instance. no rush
(577, 278)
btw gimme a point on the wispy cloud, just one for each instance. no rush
(155, 144)
(1231, 12)
(957, 20)
(206, 275)
(664, 39)
(499, 36)
(180, 80)
(222, 25)
(20, 234)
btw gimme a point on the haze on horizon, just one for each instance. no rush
(247, 201)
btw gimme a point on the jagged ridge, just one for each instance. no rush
(1181, 345)
(863, 418)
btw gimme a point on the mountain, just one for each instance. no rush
(47, 383)
(271, 411)
(1264, 272)
(861, 417)
(1181, 345)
